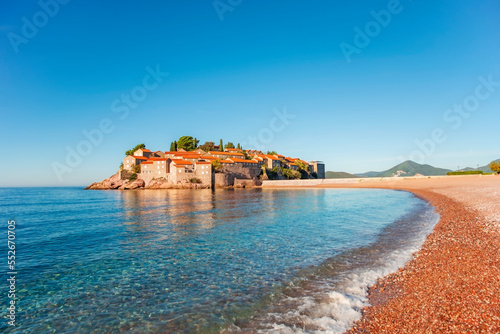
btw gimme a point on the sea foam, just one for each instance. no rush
(335, 304)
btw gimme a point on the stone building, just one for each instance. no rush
(180, 168)
(143, 152)
(226, 155)
(319, 168)
(271, 161)
(130, 161)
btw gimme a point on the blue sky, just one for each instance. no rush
(233, 67)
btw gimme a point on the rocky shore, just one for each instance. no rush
(116, 183)
(452, 285)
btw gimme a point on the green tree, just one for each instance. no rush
(302, 166)
(208, 146)
(290, 174)
(247, 157)
(495, 166)
(216, 166)
(195, 143)
(272, 152)
(173, 146)
(131, 151)
(272, 174)
(239, 146)
(229, 145)
(187, 143)
(136, 168)
(221, 146)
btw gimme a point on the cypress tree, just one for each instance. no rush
(221, 146)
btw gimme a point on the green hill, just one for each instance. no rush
(484, 169)
(407, 168)
(340, 175)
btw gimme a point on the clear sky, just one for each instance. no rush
(360, 85)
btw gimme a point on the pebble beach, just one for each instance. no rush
(452, 285)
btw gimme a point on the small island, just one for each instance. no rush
(189, 166)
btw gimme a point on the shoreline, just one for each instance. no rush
(452, 284)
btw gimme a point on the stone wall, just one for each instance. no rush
(246, 183)
(124, 174)
(240, 172)
(315, 182)
(222, 180)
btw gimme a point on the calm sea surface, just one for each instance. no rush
(202, 261)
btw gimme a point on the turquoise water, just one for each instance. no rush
(182, 261)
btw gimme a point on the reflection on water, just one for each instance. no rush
(194, 208)
(177, 260)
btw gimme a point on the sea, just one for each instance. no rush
(200, 261)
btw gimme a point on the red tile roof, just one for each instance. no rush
(243, 160)
(180, 152)
(144, 150)
(226, 153)
(158, 159)
(272, 157)
(226, 162)
(190, 156)
(187, 153)
(182, 162)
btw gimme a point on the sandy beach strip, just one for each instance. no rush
(452, 285)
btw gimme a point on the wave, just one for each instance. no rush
(329, 298)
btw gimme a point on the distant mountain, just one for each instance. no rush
(340, 175)
(407, 168)
(485, 169)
